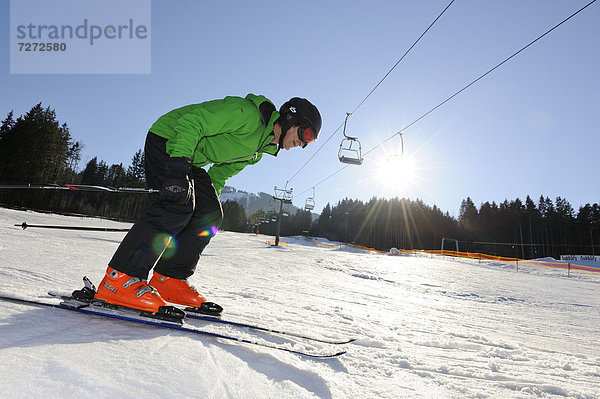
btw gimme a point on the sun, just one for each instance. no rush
(397, 172)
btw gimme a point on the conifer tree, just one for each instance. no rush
(136, 173)
(35, 148)
(234, 217)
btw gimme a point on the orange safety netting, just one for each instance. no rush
(475, 255)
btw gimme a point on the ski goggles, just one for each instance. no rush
(306, 134)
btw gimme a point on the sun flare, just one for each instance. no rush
(397, 172)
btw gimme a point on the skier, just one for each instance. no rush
(180, 220)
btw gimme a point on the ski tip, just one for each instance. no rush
(344, 342)
(332, 355)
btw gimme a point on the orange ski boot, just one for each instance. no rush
(182, 293)
(121, 289)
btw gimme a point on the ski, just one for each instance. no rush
(212, 319)
(86, 295)
(131, 316)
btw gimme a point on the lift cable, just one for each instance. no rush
(374, 88)
(460, 91)
(401, 58)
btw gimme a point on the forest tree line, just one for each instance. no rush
(526, 230)
(36, 148)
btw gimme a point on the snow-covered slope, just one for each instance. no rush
(426, 327)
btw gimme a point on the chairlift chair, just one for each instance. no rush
(349, 155)
(396, 154)
(286, 210)
(346, 153)
(310, 202)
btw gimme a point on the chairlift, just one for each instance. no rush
(348, 154)
(310, 202)
(396, 155)
(284, 194)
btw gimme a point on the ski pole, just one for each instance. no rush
(24, 225)
(80, 187)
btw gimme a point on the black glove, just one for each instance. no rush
(177, 187)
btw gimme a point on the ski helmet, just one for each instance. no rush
(300, 112)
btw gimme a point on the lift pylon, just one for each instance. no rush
(284, 196)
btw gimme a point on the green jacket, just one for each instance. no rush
(229, 134)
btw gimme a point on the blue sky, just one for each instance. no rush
(529, 128)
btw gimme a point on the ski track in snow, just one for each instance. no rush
(426, 327)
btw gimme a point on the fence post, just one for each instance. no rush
(569, 270)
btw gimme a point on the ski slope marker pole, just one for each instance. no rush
(24, 225)
(80, 187)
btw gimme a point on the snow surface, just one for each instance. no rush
(427, 327)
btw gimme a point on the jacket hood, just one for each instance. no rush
(265, 107)
(257, 99)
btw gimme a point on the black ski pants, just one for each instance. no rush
(169, 237)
